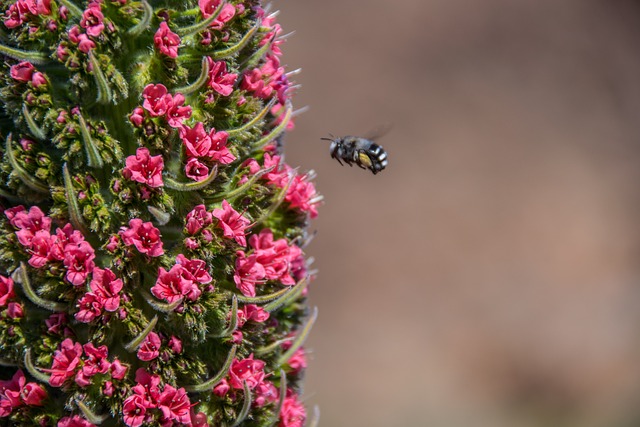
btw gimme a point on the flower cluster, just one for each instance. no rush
(152, 344)
(250, 312)
(143, 236)
(172, 403)
(204, 147)
(158, 102)
(251, 372)
(92, 23)
(14, 309)
(166, 41)
(207, 7)
(144, 168)
(301, 193)
(266, 80)
(199, 225)
(16, 393)
(182, 280)
(26, 72)
(219, 79)
(81, 363)
(268, 260)
(22, 10)
(104, 296)
(67, 246)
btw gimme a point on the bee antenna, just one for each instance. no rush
(329, 139)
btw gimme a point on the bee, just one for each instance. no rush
(362, 151)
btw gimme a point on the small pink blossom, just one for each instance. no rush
(118, 370)
(175, 284)
(56, 322)
(93, 20)
(65, 362)
(150, 348)
(265, 393)
(74, 421)
(177, 112)
(134, 410)
(6, 290)
(219, 151)
(106, 286)
(166, 41)
(22, 72)
(174, 405)
(90, 307)
(15, 310)
(197, 219)
(175, 344)
(79, 262)
(144, 236)
(302, 195)
(196, 170)
(298, 360)
(252, 312)
(222, 388)
(247, 370)
(194, 269)
(137, 117)
(196, 140)
(95, 361)
(292, 413)
(144, 168)
(232, 223)
(220, 80)
(157, 100)
(248, 273)
(38, 79)
(85, 44)
(207, 7)
(33, 394)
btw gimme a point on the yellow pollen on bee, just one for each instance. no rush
(364, 159)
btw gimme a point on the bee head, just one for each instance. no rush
(336, 145)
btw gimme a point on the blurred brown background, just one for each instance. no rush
(490, 276)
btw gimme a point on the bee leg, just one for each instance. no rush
(338, 159)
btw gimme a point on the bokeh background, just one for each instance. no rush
(490, 276)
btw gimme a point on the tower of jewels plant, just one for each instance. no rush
(151, 247)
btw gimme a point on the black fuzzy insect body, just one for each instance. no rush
(362, 151)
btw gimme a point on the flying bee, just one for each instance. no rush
(362, 151)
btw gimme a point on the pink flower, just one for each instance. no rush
(144, 168)
(301, 195)
(85, 44)
(292, 413)
(15, 310)
(93, 20)
(107, 287)
(174, 405)
(137, 117)
(6, 290)
(118, 370)
(196, 140)
(194, 269)
(219, 151)
(247, 370)
(33, 394)
(90, 307)
(38, 79)
(28, 223)
(197, 219)
(219, 80)
(175, 284)
(14, 17)
(156, 99)
(79, 262)
(144, 236)
(175, 344)
(22, 72)
(65, 362)
(40, 247)
(222, 388)
(178, 112)
(195, 170)
(248, 273)
(274, 256)
(134, 410)
(96, 360)
(150, 348)
(75, 421)
(56, 322)
(166, 41)
(265, 393)
(298, 360)
(207, 7)
(252, 312)
(232, 223)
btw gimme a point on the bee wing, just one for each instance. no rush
(378, 132)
